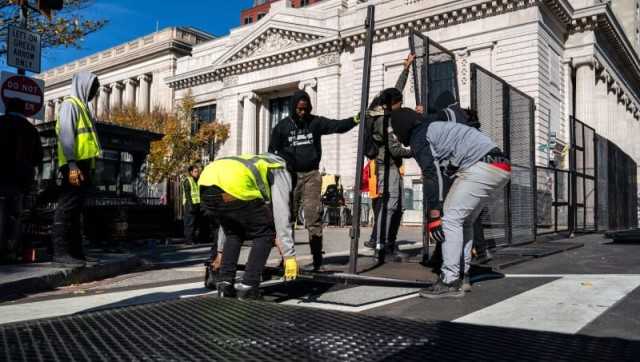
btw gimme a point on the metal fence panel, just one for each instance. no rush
(435, 74)
(552, 200)
(506, 115)
(583, 171)
(603, 182)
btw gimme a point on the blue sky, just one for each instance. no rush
(129, 19)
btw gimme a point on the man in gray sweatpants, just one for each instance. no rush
(480, 170)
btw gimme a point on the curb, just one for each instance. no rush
(63, 277)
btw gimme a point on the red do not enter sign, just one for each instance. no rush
(25, 89)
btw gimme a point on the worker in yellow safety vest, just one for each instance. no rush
(191, 204)
(249, 196)
(78, 148)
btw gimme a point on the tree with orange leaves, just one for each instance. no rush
(169, 157)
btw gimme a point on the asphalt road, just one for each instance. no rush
(591, 290)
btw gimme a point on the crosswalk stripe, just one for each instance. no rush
(565, 305)
(65, 306)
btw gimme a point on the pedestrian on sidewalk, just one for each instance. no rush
(191, 205)
(481, 170)
(77, 150)
(297, 139)
(386, 164)
(249, 196)
(20, 155)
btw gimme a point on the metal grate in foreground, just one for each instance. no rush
(211, 329)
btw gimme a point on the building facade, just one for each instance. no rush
(574, 57)
(131, 74)
(260, 8)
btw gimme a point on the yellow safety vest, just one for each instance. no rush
(86, 145)
(195, 192)
(244, 177)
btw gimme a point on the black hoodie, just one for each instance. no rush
(298, 140)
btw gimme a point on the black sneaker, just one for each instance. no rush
(371, 244)
(67, 261)
(226, 290)
(443, 290)
(247, 292)
(466, 283)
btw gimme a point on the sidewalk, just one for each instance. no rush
(19, 280)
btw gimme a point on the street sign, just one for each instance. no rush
(27, 89)
(23, 49)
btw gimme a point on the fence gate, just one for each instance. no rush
(507, 116)
(582, 163)
(435, 75)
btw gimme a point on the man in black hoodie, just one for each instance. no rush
(297, 139)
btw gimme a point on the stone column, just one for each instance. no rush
(309, 86)
(585, 85)
(620, 122)
(265, 130)
(602, 115)
(50, 112)
(612, 110)
(144, 82)
(57, 104)
(103, 101)
(116, 96)
(249, 123)
(130, 92)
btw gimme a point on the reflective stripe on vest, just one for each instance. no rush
(244, 177)
(86, 138)
(194, 192)
(251, 165)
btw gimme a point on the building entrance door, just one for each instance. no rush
(278, 109)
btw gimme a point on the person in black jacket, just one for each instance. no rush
(297, 139)
(20, 155)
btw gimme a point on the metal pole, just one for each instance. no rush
(412, 47)
(364, 101)
(24, 22)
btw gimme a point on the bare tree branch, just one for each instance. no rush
(67, 29)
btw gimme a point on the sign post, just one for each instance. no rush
(26, 89)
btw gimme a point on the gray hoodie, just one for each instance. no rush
(68, 116)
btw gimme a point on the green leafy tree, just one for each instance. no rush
(66, 29)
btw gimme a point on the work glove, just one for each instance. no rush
(290, 268)
(435, 230)
(356, 118)
(75, 175)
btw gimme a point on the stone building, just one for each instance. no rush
(574, 57)
(130, 74)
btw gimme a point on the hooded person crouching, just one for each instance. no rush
(77, 150)
(480, 170)
(297, 139)
(248, 196)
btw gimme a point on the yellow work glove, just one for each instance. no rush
(356, 118)
(290, 268)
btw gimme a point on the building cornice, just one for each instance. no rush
(354, 37)
(600, 18)
(575, 21)
(175, 40)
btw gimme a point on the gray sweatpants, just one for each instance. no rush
(470, 191)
